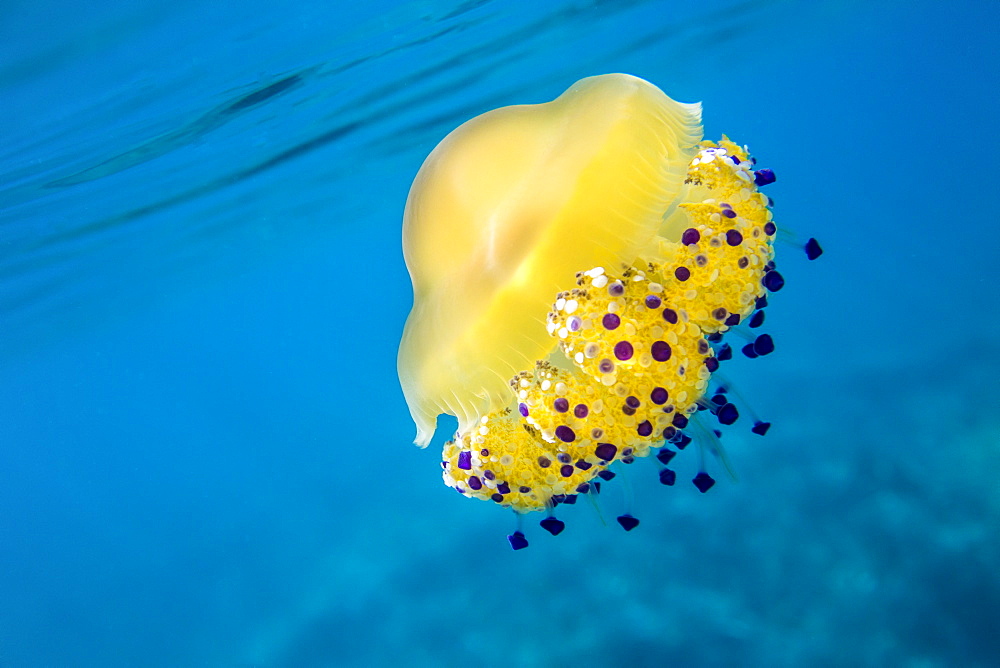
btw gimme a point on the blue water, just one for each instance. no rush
(205, 455)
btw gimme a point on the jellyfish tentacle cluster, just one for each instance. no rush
(622, 357)
(634, 346)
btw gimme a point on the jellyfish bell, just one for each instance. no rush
(507, 209)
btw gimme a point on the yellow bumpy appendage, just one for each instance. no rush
(634, 358)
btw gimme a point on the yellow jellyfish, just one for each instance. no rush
(572, 263)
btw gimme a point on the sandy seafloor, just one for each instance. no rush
(204, 450)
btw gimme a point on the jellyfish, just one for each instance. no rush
(575, 265)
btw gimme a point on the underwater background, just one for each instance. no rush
(205, 455)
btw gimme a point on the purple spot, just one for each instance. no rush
(729, 213)
(632, 402)
(517, 540)
(682, 273)
(760, 427)
(606, 475)
(665, 455)
(735, 160)
(611, 321)
(734, 238)
(703, 482)
(669, 433)
(465, 460)
(690, 236)
(522, 409)
(561, 405)
(813, 249)
(652, 301)
(763, 177)
(660, 350)
(724, 353)
(773, 281)
(712, 364)
(498, 497)
(605, 451)
(489, 475)
(670, 316)
(565, 434)
(748, 351)
(763, 344)
(564, 457)
(770, 228)
(680, 421)
(544, 462)
(552, 525)
(503, 488)
(566, 470)
(623, 350)
(581, 410)
(659, 396)
(524, 489)
(616, 289)
(757, 320)
(606, 366)
(583, 488)
(682, 441)
(628, 522)
(475, 482)
(583, 465)
(668, 477)
(728, 414)
(645, 428)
